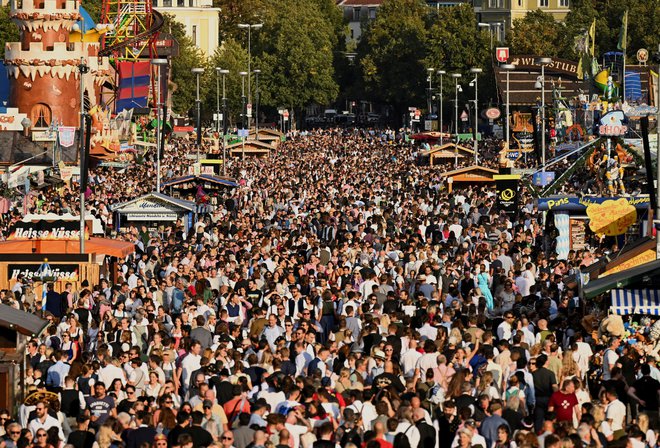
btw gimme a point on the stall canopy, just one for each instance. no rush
(646, 276)
(25, 323)
(99, 246)
(635, 301)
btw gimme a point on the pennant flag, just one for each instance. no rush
(134, 80)
(592, 38)
(623, 34)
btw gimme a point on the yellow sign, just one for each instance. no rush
(638, 260)
(507, 194)
(611, 218)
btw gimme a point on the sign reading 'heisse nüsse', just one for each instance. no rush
(36, 271)
(46, 230)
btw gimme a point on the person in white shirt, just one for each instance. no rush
(505, 330)
(409, 359)
(43, 421)
(189, 364)
(615, 413)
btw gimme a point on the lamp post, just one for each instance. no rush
(540, 83)
(249, 27)
(490, 29)
(440, 127)
(429, 96)
(476, 71)
(507, 68)
(224, 73)
(457, 89)
(198, 110)
(158, 63)
(83, 68)
(256, 108)
(243, 75)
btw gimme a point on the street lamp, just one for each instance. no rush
(223, 72)
(249, 27)
(159, 64)
(475, 83)
(540, 83)
(256, 108)
(457, 89)
(198, 110)
(243, 75)
(507, 68)
(440, 123)
(430, 79)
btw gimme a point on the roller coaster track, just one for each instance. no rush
(156, 24)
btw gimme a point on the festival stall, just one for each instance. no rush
(577, 218)
(448, 151)
(49, 250)
(153, 209)
(250, 148)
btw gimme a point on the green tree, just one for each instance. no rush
(233, 12)
(296, 59)
(8, 30)
(538, 33)
(94, 8)
(392, 54)
(231, 56)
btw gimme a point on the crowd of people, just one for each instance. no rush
(339, 297)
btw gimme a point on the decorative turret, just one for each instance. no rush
(44, 66)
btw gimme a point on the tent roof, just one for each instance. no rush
(469, 169)
(25, 323)
(225, 181)
(645, 273)
(100, 246)
(250, 145)
(181, 203)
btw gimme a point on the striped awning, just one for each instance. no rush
(636, 301)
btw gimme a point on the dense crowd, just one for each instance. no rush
(340, 296)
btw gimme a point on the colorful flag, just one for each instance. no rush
(623, 34)
(592, 38)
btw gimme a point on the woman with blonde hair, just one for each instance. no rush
(344, 380)
(602, 425)
(643, 423)
(107, 437)
(569, 368)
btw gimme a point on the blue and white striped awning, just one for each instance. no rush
(636, 301)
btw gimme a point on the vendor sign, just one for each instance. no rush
(46, 230)
(507, 194)
(611, 218)
(35, 271)
(573, 203)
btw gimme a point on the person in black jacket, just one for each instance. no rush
(426, 431)
(144, 433)
(201, 437)
(82, 437)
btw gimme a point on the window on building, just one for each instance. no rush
(194, 34)
(167, 3)
(372, 13)
(544, 3)
(181, 2)
(352, 33)
(496, 4)
(40, 115)
(356, 14)
(520, 2)
(563, 3)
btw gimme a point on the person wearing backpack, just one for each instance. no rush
(350, 431)
(406, 433)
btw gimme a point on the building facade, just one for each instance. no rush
(500, 14)
(200, 19)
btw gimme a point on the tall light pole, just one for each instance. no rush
(430, 71)
(542, 62)
(243, 75)
(198, 110)
(249, 27)
(159, 64)
(440, 122)
(256, 105)
(476, 71)
(457, 89)
(507, 68)
(224, 73)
